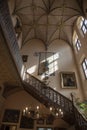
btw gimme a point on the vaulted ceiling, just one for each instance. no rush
(48, 20)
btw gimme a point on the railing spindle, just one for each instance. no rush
(58, 100)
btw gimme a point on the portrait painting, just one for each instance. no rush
(68, 80)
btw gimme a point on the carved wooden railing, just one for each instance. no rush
(81, 122)
(9, 34)
(56, 99)
(50, 96)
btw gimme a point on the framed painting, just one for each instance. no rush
(68, 80)
(11, 115)
(26, 122)
(8, 127)
(49, 120)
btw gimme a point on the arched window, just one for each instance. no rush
(84, 67)
(76, 41)
(82, 24)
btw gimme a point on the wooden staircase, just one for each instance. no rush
(50, 97)
(33, 86)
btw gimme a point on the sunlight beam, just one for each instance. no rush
(32, 69)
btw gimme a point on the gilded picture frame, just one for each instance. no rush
(68, 80)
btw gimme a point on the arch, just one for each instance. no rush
(35, 39)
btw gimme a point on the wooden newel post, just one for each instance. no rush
(72, 98)
(73, 110)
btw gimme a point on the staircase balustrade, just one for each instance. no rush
(9, 34)
(57, 99)
(51, 94)
(81, 122)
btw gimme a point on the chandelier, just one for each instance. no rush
(36, 113)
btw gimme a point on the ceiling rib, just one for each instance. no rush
(67, 7)
(45, 5)
(47, 17)
(53, 1)
(24, 7)
(80, 4)
(62, 13)
(70, 18)
(34, 22)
